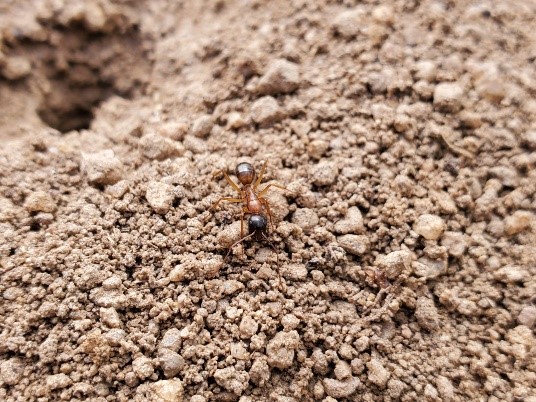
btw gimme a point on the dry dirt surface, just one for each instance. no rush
(401, 264)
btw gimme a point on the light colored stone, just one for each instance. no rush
(155, 146)
(394, 263)
(378, 374)
(102, 167)
(11, 371)
(232, 379)
(448, 96)
(281, 77)
(429, 226)
(305, 218)
(511, 274)
(40, 201)
(110, 317)
(341, 389)
(518, 222)
(527, 316)
(169, 390)
(143, 367)
(248, 327)
(354, 244)
(266, 111)
(58, 381)
(160, 196)
(281, 349)
(202, 126)
(351, 223)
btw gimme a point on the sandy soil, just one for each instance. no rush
(405, 251)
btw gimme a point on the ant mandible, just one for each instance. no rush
(253, 201)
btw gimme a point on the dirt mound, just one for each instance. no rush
(401, 263)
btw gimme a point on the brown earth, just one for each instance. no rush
(402, 261)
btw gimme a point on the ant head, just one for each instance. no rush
(245, 172)
(257, 223)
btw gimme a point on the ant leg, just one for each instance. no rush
(238, 242)
(259, 179)
(265, 189)
(229, 180)
(228, 199)
(242, 222)
(267, 206)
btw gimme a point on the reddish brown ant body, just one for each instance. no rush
(253, 204)
(253, 201)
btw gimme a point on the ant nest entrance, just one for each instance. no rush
(76, 62)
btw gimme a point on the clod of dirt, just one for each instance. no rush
(351, 223)
(448, 96)
(281, 349)
(429, 226)
(40, 201)
(354, 244)
(102, 167)
(154, 146)
(281, 77)
(232, 379)
(160, 196)
(202, 126)
(168, 390)
(266, 112)
(341, 388)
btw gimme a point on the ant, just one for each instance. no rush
(253, 203)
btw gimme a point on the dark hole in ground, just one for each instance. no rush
(79, 69)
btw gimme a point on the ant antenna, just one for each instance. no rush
(238, 242)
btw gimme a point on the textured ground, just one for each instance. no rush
(405, 253)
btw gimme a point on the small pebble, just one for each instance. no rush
(11, 371)
(281, 349)
(110, 317)
(160, 196)
(342, 370)
(518, 222)
(232, 380)
(102, 167)
(354, 244)
(202, 126)
(351, 223)
(448, 96)
(341, 389)
(394, 263)
(266, 111)
(348, 23)
(527, 316)
(58, 381)
(171, 362)
(305, 218)
(511, 274)
(259, 372)
(169, 390)
(143, 367)
(248, 327)
(281, 77)
(40, 201)
(15, 67)
(529, 139)
(154, 146)
(426, 314)
(171, 339)
(430, 227)
(378, 374)
(325, 173)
